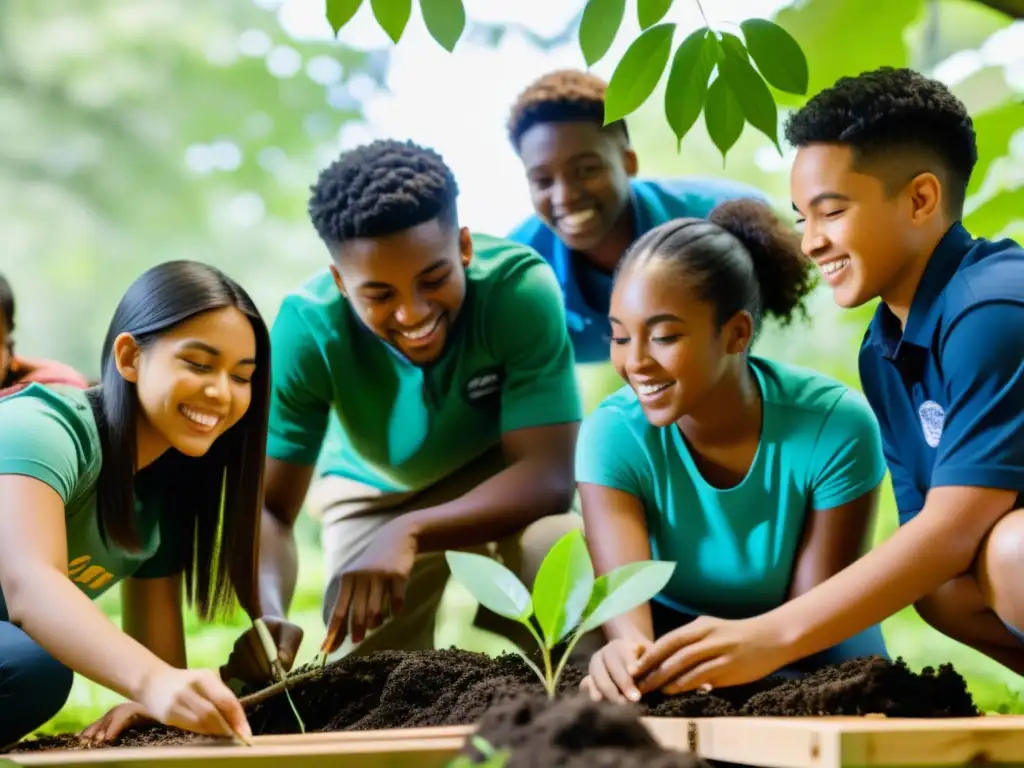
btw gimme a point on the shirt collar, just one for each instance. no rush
(885, 332)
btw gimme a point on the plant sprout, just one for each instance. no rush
(270, 648)
(493, 758)
(567, 600)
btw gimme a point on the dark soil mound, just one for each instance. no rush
(573, 732)
(397, 689)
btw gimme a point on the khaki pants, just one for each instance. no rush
(351, 513)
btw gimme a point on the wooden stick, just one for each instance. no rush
(279, 687)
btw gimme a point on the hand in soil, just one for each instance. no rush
(377, 578)
(195, 700)
(248, 661)
(710, 652)
(115, 722)
(609, 677)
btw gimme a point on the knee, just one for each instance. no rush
(951, 606)
(34, 679)
(1001, 568)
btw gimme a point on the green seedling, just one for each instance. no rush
(270, 649)
(493, 758)
(567, 601)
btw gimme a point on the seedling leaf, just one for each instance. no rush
(777, 54)
(445, 21)
(623, 589)
(637, 74)
(694, 60)
(561, 590)
(650, 12)
(392, 15)
(754, 97)
(491, 584)
(598, 27)
(340, 12)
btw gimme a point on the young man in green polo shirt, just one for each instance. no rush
(437, 364)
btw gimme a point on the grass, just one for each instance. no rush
(995, 689)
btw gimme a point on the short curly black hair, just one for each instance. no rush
(892, 109)
(382, 188)
(565, 95)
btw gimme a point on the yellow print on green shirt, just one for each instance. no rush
(92, 576)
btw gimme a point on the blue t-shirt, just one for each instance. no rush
(735, 548)
(585, 288)
(949, 390)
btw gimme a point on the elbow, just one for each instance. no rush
(559, 484)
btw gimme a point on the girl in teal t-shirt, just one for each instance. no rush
(123, 484)
(757, 479)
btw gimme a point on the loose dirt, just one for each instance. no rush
(396, 689)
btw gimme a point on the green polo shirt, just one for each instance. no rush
(49, 433)
(389, 424)
(735, 548)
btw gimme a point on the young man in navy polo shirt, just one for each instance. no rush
(879, 181)
(589, 206)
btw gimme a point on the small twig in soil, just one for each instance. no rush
(280, 686)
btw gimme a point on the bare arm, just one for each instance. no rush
(33, 575)
(153, 616)
(538, 481)
(832, 539)
(285, 490)
(938, 544)
(616, 535)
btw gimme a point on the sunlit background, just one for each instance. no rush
(136, 132)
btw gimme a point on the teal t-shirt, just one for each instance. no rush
(392, 425)
(50, 434)
(735, 548)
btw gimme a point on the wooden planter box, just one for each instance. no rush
(766, 742)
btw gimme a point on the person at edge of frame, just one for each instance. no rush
(879, 182)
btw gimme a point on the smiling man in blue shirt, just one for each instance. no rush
(880, 176)
(589, 207)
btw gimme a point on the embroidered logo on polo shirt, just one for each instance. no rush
(932, 418)
(483, 384)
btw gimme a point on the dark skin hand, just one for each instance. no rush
(285, 490)
(538, 481)
(938, 545)
(831, 540)
(152, 615)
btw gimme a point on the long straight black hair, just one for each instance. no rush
(215, 500)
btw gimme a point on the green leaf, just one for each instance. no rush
(754, 97)
(392, 15)
(562, 588)
(638, 72)
(778, 55)
(650, 12)
(623, 589)
(598, 27)
(445, 21)
(723, 115)
(491, 584)
(339, 12)
(694, 60)
(732, 43)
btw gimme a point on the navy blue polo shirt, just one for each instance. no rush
(949, 391)
(586, 289)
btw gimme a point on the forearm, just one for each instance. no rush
(279, 565)
(917, 559)
(69, 626)
(502, 505)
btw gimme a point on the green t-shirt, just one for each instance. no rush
(49, 433)
(735, 549)
(389, 424)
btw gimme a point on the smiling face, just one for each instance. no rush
(408, 287)
(666, 343)
(193, 382)
(579, 179)
(867, 240)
